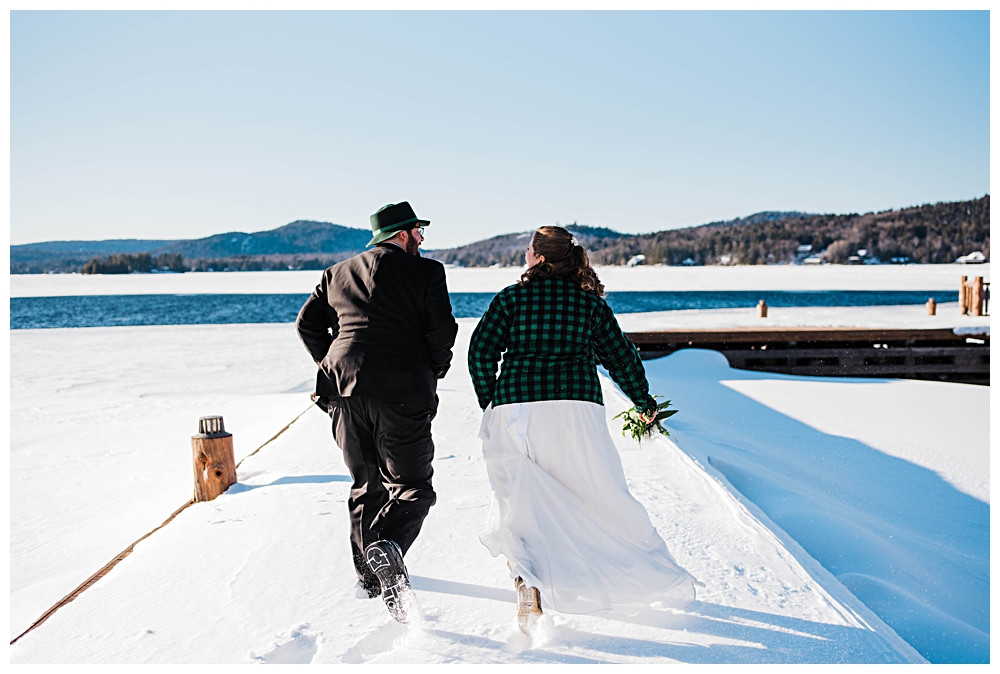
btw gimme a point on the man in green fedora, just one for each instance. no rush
(398, 223)
(380, 329)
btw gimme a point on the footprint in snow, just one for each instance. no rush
(382, 640)
(393, 635)
(295, 647)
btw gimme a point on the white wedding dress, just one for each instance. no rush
(563, 516)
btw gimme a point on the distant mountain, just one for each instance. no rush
(757, 219)
(105, 247)
(931, 233)
(71, 256)
(316, 243)
(508, 249)
(301, 236)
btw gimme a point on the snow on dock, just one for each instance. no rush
(884, 482)
(904, 317)
(263, 573)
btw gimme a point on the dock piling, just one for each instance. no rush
(977, 296)
(214, 463)
(762, 309)
(974, 297)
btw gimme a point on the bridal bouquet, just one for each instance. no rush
(641, 426)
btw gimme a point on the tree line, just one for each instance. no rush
(140, 263)
(143, 263)
(278, 262)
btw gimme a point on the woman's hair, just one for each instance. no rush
(563, 257)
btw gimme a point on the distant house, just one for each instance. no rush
(636, 260)
(863, 258)
(972, 258)
(688, 262)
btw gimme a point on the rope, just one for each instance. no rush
(275, 436)
(103, 571)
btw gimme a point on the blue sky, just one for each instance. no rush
(186, 124)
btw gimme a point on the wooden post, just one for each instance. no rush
(214, 464)
(931, 307)
(762, 309)
(977, 296)
(962, 305)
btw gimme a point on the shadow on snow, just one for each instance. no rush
(910, 546)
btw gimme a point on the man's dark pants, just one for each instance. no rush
(388, 450)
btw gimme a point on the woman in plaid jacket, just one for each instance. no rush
(562, 514)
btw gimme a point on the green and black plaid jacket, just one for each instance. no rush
(548, 333)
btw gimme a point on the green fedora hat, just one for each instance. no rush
(393, 218)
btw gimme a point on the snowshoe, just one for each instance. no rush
(385, 560)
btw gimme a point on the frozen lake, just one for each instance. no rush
(491, 280)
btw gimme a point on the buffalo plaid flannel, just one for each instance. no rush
(548, 333)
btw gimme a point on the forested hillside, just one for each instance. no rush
(508, 249)
(933, 233)
(303, 244)
(301, 236)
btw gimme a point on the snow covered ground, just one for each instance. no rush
(765, 277)
(791, 498)
(100, 427)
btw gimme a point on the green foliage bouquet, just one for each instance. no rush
(641, 426)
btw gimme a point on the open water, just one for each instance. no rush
(116, 310)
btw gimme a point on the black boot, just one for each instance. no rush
(385, 560)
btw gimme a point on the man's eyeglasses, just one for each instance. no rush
(420, 231)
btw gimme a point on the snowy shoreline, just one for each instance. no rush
(460, 279)
(130, 411)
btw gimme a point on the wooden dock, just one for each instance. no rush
(937, 354)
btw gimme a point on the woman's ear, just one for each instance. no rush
(540, 258)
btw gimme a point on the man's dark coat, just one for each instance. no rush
(391, 324)
(379, 326)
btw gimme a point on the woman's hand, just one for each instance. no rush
(640, 425)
